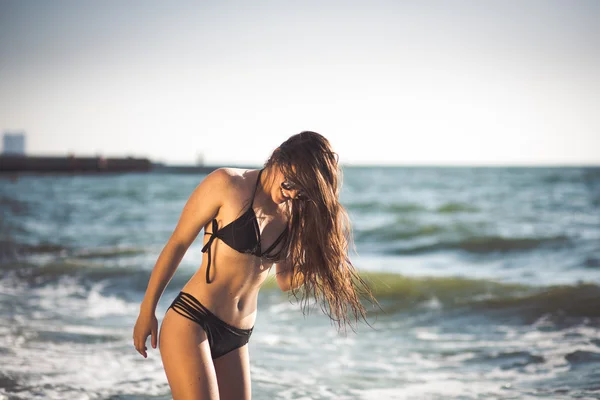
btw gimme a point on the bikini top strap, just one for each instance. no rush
(255, 188)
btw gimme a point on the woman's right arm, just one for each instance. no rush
(202, 206)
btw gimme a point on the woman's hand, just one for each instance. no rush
(146, 324)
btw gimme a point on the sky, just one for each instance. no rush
(387, 82)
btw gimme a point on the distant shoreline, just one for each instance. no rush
(52, 165)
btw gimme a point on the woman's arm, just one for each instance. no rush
(288, 278)
(202, 206)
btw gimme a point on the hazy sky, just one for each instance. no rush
(388, 82)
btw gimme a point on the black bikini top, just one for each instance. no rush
(242, 234)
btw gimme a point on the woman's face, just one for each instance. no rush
(284, 190)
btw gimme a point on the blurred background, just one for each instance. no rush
(469, 136)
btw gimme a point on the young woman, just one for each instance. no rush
(288, 215)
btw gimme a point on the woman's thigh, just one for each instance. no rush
(233, 375)
(187, 360)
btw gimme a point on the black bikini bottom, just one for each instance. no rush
(222, 337)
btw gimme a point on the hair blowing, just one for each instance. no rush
(319, 231)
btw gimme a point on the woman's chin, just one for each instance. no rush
(277, 199)
(280, 198)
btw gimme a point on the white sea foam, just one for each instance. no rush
(99, 305)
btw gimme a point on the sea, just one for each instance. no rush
(487, 281)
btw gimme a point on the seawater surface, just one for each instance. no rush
(488, 282)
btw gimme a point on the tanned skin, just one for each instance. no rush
(233, 292)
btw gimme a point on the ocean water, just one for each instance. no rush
(488, 281)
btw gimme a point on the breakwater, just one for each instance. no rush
(13, 164)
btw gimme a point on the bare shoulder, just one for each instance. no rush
(237, 180)
(203, 205)
(228, 185)
(223, 180)
(220, 177)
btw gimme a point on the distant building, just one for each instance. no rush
(14, 143)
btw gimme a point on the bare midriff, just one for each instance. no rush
(235, 281)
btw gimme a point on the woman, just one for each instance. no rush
(288, 215)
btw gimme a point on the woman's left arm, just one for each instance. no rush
(288, 278)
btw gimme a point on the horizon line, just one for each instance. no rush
(347, 164)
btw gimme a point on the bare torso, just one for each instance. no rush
(236, 277)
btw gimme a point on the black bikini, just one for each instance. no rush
(222, 337)
(243, 235)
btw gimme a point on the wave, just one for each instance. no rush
(448, 291)
(84, 271)
(374, 206)
(559, 303)
(404, 208)
(581, 357)
(11, 251)
(406, 236)
(394, 233)
(398, 293)
(485, 244)
(108, 252)
(508, 359)
(450, 208)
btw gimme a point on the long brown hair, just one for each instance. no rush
(319, 233)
